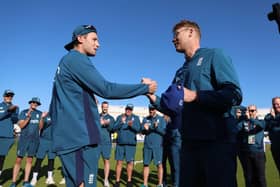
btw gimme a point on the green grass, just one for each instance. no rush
(271, 171)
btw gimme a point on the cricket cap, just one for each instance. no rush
(79, 31)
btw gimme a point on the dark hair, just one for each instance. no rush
(104, 102)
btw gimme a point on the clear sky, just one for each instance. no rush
(135, 38)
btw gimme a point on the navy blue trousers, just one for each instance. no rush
(253, 164)
(171, 152)
(208, 164)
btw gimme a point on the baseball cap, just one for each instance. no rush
(173, 99)
(78, 31)
(36, 100)
(8, 92)
(129, 106)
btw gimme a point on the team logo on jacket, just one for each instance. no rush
(90, 178)
(199, 62)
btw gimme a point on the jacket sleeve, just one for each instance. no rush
(259, 125)
(159, 107)
(90, 79)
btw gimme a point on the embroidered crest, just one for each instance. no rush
(199, 62)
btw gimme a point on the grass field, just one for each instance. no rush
(271, 172)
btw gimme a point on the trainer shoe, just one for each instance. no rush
(117, 184)
(27, 184)
(129, 184)
(106, 183)
(160, 185)
(13, 184)
(50, 181)
(142, 185)
(62, 181)
(33, 181)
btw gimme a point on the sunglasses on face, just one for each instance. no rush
(252, 111)
(8, 96)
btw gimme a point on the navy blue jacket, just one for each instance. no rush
(251, 135)
(126, 133)
(31, 131)
(73, 109)
(273, 128)
(154, 135)
(107, 129)
(7, 120)
(211, 74)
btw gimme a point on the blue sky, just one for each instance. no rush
(135, 39)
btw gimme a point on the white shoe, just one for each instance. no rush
(33, 181)
(50, 181)
(62, 181)
(106, 183)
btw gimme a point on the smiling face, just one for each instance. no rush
(276, 104)
(104, 108)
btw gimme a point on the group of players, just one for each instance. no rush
(161, 142)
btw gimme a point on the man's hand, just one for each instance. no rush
(272, 112)
(104, 121)
(44, 114)
(151, 83)
(130, 123)
(189, 95)
(12, 108)
(146, 126)
(156, 123)
(123, 118)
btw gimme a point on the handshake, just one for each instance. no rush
(151, 83)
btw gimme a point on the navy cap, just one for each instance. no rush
(79, 30)
(129, 106)
(36, 100)
(8, 92)
(173, 99)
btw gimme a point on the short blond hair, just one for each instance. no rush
(187, 23)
